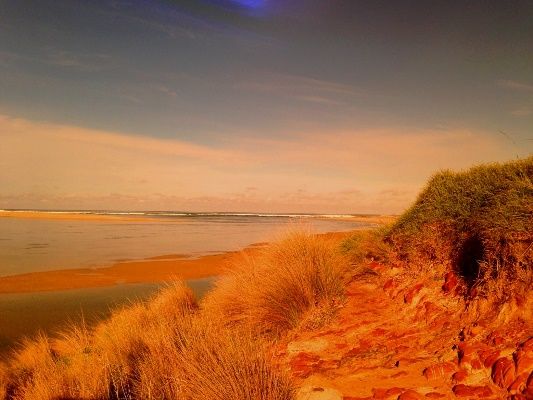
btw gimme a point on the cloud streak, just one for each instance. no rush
(515, 85)
(47, 165)
(302, 88)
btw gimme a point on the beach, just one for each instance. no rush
(157, 269)
(82, 265)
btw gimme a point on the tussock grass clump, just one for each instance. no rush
(476, 222)
(366, 245)
(299, 279)
(163, 349)
(229, 364)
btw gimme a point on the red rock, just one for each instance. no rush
(519, 385)
(379, 393)
(435, 395)
(529, 387)
(389, 284)
(503, 372)
(489, 357)
(410, 395)
(476, 364)
(470, 391)
(460, 376)
(328, 364)
(475, 330)
(364, 345)
(450, 282)
(440, 323)
(398, 374)
(401, 348)
(528, 344)
(394, 390)
(468, 355)
(523, 357)
(304, 364)
(496, 339)
(439, 370)
(409, 296)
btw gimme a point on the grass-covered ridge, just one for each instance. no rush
(478, 222)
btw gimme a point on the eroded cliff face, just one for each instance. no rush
(400, 336)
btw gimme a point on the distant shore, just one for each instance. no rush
(129, 217)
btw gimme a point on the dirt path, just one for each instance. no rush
(407, 343)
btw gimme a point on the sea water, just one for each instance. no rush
(30, 245)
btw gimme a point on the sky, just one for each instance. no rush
(331, 106)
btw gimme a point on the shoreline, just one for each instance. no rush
(150, 270)
(157, 269)
(85, 216)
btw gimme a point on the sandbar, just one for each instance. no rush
(150, 270)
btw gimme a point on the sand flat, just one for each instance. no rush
(73, 216)
(138, 271)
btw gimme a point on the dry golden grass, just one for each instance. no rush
(295, 279)
(165, 348)
(3, 382)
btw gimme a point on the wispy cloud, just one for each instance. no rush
(523, 111)
(302, 88)
(87, 62)
(515, 85)
(81, 61)
(55, 132)
(350, 171)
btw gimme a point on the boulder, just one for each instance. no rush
(503, 372)
(318, 393)
(471, 391)
(439, 370)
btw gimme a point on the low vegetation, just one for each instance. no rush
(476, 223)
(298, 279)
(172, 348)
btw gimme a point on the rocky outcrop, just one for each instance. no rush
(396, 341)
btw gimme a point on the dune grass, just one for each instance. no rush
(171, 348)
(477, 223)
(162, 349)
(299, 279)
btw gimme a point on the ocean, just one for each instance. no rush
(30, 245)
(41, 244)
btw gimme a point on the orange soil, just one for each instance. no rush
(393, 342)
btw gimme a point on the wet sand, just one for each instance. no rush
(73, 216)
(156, 269)
(151, 270)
